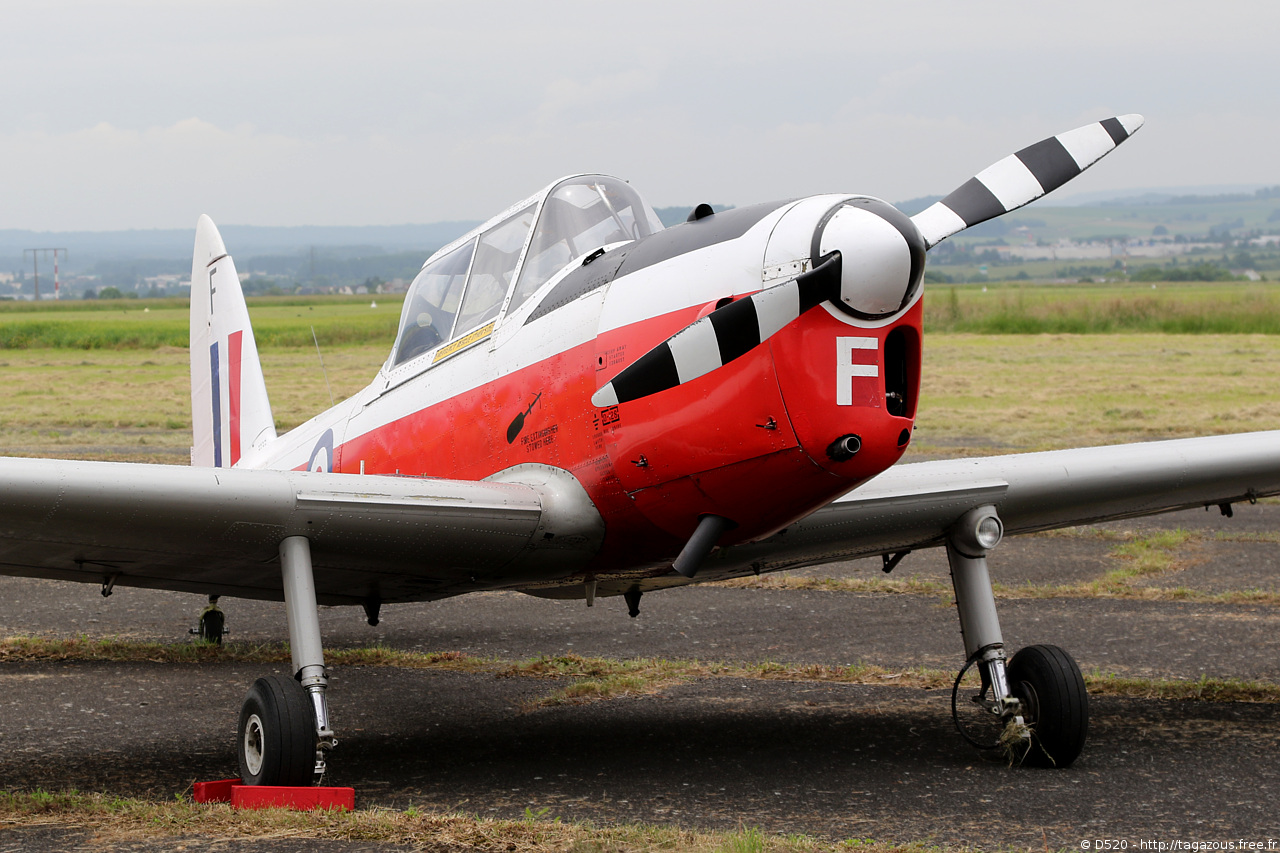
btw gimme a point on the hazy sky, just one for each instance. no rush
(146, 114)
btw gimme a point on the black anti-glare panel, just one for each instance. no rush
(690, 236)
(580, 282)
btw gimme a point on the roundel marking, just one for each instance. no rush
(322, 454)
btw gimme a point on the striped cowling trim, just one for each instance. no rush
(1023, 177)
(723, 335)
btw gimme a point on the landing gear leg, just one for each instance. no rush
(1039, 697)
(284, 723)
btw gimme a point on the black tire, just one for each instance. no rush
(212, 622)
(1054, 703)
(276, 743)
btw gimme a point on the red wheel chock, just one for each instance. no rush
(272, 797)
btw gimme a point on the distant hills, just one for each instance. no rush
(245, 241)
(353, 254)
(1131, 198)
(1151, 195)
(242, 240)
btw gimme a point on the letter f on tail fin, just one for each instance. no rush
(230, 413)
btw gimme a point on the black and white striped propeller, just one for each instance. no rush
(868, 256)
(1023, 177)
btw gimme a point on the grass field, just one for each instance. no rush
(980, 393)
(996, 309)
(108, 395)
(151, 323)
(1222, 308)
(135, 404)
(1004, 393)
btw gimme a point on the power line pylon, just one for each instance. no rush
(35, 259)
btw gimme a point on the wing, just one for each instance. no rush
(407, 539)
(218, 530)
(913, 506)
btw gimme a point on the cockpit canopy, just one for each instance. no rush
(466, 285)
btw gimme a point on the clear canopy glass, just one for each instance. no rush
(465, 288)
(579, 216)
(432, 304)
(497, 257)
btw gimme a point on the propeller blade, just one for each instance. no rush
(723, 335)
(1023, 177)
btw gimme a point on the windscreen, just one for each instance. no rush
(432, 304)
(579, 216)
(496, 260)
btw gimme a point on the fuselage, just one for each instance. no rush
(762, 441)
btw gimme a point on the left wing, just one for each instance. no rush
(218, 530)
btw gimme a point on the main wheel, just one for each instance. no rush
(1054, 704)
(277, 734)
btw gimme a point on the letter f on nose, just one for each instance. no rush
(846, 369)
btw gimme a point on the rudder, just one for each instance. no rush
(230, 412)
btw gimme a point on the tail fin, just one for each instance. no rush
(230, 413)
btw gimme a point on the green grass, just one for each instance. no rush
(1004, 309)
(65, 402)
(985, 394)
(1183, 309)
(149, 324)
(980, 394)
(1147, 556)
(9, 309)
(80, 306)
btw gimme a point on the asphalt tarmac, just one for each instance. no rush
(835, 761)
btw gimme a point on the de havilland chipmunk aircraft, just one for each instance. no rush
(581, 403)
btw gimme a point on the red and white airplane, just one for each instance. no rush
(582, 403)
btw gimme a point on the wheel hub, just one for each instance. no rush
(252, 746)
(1026, 693)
